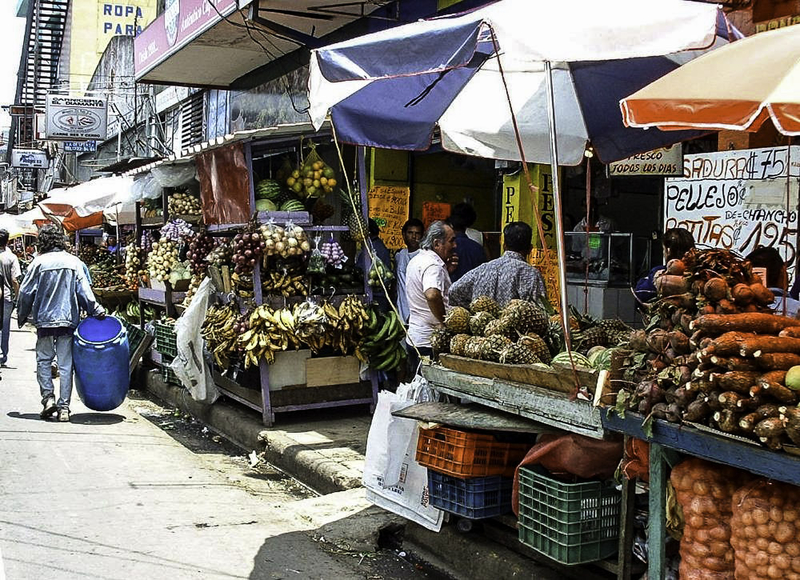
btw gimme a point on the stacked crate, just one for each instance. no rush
(166, 344)
(469, 474)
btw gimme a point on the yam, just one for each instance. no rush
(768, 410)
(727, 420)
(737, 381)
(791, 332)
(762, 294)
(758, 322)
(725, 306)
(716, 289)
(679, 342)
(777, 391)
(729, 400)
(734, 363)
(778, 361)
(778, 376)
(671, 285)
(726, 345)
(769, 428)
(742, 294)
(749, 421)
(758, 345)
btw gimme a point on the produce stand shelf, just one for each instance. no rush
(667, 440)
(159, 297)
(553, 408)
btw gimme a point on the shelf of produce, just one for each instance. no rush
(298, 218)
(549, 407)
(153, 222)
(749, 456)
(159, 297)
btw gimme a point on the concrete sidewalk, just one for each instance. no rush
(325, 450)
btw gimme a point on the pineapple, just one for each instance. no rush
(588, 338)
(478, 322)
(485, 304)
(518, 354)
(357, 226)
(526, 316)
(472, 349)
(457, 344)
(440, 341)
(457, 320)
(538, 345)
(617, 331)
(503, 326)
(493, 346)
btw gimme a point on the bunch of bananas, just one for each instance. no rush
(381, 345)
(270, 331)
(221, 330)
(284, 284)
(345, 324)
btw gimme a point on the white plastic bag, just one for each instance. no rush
(392, 476)
(189, 364)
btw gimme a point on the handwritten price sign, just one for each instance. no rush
(388, 206)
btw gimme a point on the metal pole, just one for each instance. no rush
(562, 256)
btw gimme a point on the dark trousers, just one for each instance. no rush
(413, 359)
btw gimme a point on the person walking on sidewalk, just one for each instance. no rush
(10, 272)
(53, 292)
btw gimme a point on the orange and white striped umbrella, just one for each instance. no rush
(737, 86)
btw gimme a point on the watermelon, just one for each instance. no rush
(562, 358)
(265, 205)
(267, 189)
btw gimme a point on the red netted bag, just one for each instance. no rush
(705, 491)
(765, 528)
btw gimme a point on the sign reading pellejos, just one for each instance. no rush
(75, 118)
(738, 200)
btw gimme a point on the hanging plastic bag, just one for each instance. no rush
(316, 262)
(189, 365)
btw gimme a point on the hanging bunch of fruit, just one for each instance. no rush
(133, 266)
(713, 353)
(313, 178)
(247, 247)
(382, 345)
(357, 227)
(222, 327)
(333, 253)
(287, 241)
(199, 249)
(162, 258)
(221, 255)
(284, 283)
(184, 204)
(146, 242)
(380, 274)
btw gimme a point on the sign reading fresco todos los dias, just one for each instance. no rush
(738, 200)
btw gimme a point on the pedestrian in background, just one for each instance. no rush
(427, 288)
(53, 292)
(11, 272)
(413, 231)
(470, 253)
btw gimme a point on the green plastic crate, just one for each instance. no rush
(167, 373)
(572, 523)
(166, 339)
(135, 335)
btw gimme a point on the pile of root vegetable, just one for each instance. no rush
(713, 353)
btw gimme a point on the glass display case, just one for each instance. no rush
(600, 258)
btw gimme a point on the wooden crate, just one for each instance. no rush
(558, 378)
(332, 370)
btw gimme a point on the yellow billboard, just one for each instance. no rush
(92, 25)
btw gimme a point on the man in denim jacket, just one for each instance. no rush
(53, 292)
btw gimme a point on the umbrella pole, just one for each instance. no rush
(562, 256)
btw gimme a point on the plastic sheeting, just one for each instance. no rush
(224, 185)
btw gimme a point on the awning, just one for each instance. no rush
(16, 227)
(213, 44)
(82, 206)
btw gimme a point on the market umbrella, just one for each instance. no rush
(565, 65)
(737, 87)
(82, 205)
(16, 227)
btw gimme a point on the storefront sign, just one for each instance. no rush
(75, 118)
(434, 210)
(181, 22)
(29, 158)
(738, 200)
(777, 23)
(663, 161)
(520, 204)
(79, 146)
(388, 206)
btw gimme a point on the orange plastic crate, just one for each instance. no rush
(463, 454)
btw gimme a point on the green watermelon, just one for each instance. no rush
(265, 205)
(267, 189)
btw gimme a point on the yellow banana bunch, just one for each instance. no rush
(285, 284)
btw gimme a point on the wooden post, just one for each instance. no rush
(658, 514)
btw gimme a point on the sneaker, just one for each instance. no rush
(63, 415)
(48, 407)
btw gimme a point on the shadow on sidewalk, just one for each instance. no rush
(78, 418)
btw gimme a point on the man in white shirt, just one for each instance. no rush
(11, 273)
(427, 286)
(412, 234)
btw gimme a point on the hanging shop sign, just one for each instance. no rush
(75, 118)
(519, 205)
(388, 206)
(665, 161)
(738, 200)
(79, 146)
(34, 158)
(777, 23)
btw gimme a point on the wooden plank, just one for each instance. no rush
(545, 406)
(625, 549)
(559, 378)
(775, 465)
(331, 370)
(657, 537)
(470, 417)
(139, 351)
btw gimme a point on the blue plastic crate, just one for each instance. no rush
(474, 498)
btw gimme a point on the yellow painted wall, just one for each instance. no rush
(94, 23)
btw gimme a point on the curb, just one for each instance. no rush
(321, 472)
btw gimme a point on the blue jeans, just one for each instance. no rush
(48, 348)
(8, 307)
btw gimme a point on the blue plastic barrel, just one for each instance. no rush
(101, 359)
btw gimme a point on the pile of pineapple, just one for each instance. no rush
(522, 332)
